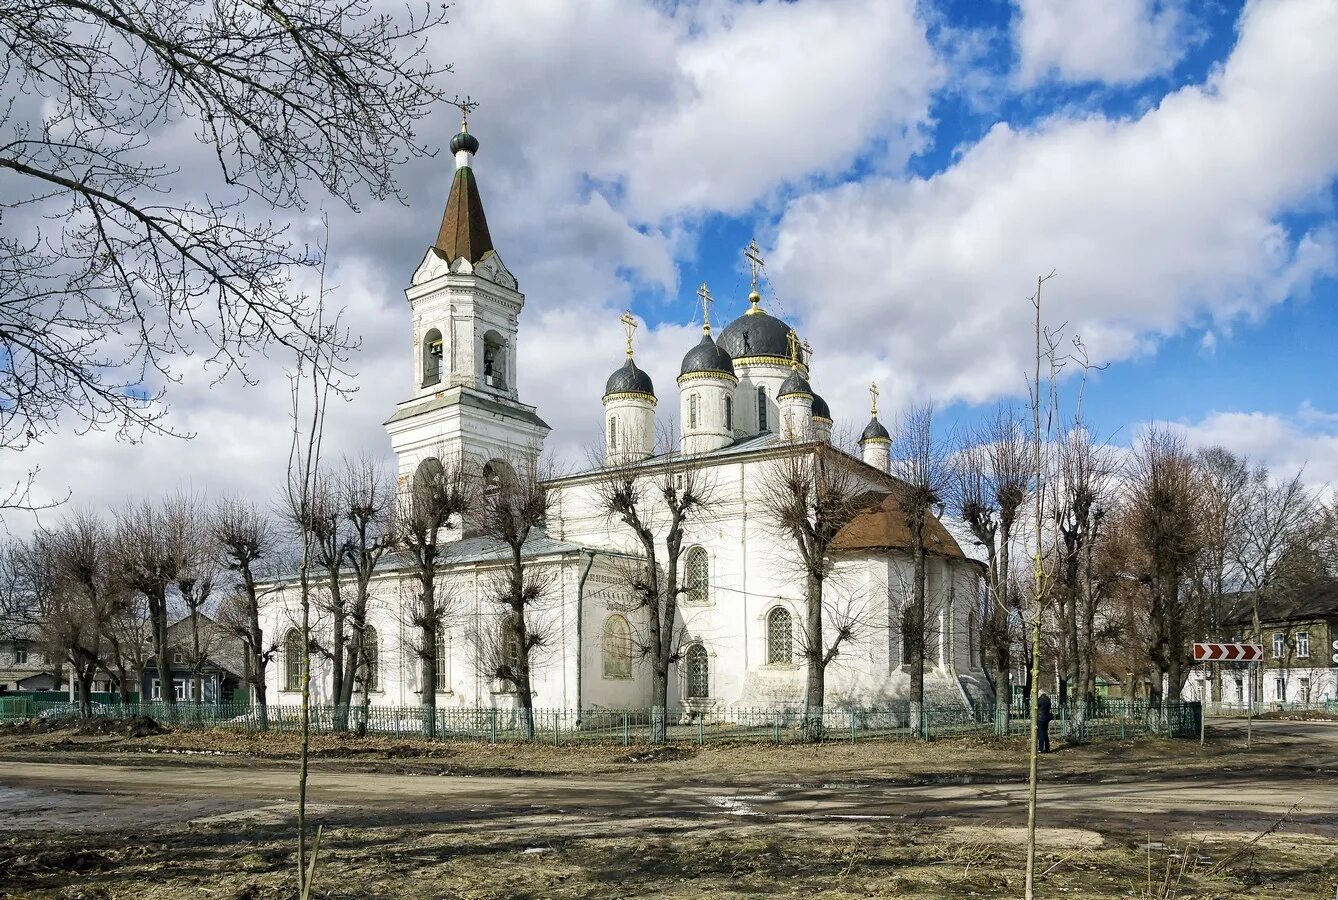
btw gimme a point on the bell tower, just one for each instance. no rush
(465, 309)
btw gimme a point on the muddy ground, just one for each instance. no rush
(205, 815)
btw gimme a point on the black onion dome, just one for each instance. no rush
(874, 431)
(757, 334)
(629, 380)
(795, 385)
(820, 408)
(464, 141)
(706, 357)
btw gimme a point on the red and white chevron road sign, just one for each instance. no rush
(1212, 652)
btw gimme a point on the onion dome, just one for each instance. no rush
(708, 359)
(820, 409)
(756, 334)
(629, 380)
(464, 141)
(795, 386)
(875, 431)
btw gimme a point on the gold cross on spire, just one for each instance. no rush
(705, 294)
(793, 340)
(755, 260)
(808, 352)
(466, 106)
(629, 325)
(873, 399)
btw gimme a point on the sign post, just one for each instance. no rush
(1210, 651)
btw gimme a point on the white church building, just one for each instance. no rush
(745, 400)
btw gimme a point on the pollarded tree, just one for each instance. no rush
(151, 550)
(808, 496)
(923, 478)
(514, 503)
(658, 504)
(247, 540)
(992, 480)
(109, 265)
(441, 495)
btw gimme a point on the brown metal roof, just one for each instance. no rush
(464, 229)
(881, 525)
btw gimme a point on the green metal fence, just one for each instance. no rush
(1102, 721)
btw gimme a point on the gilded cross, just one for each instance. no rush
(808, 353)
(629, 325)
(705, 294)
(755, 260)
(793, 340)
(466, 106)
(873, 399)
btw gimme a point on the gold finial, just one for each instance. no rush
(629, 325)
(873, 399)
(808, 353)
(793, 340)
(466, 106)
(705, 294)
(753, 253)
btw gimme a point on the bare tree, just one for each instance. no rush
(368, 502)
(1224, 479)
(129, 637)
(326, 517)
(657, 505)
(808, 496)
(195, 582)
(1163, 494)
(108, 273)
(246, 537)
(923, 478)
(514, 504)
(151, 553)
(442, 493)
(991, 482)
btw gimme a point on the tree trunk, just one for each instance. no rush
(338, 642)
(158, 611)
(1003, 694)
(659, 691)
(816, 684)
(915, 639)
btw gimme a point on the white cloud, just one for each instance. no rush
(1286, 444)
(1112, 41)
(1153, 223)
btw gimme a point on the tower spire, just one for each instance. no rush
(464, 227)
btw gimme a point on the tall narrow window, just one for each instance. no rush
(697, 576)
(494, 360)
(371, 661)
(1302, 644)
(292, 661)
(780, 637)
(1279, 645)
(692, 411)
(729, 414)
(698, 664)
(761, 409)
(442, 659)
(617, 648)
(613, 432)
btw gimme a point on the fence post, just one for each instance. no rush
(701, 733)
(492, 728)
(555, 727)
(627, 735)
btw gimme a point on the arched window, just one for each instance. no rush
(780, 637)
(729, 414)
(617, 648)
(761, 409)
(427, 487)
(292, 661)
(371, 661)
(972, 631)
(441, 658)
(613, 432)
(692, 411)
(432, 357)
(698, 665)
(494, 360)
(697, 576)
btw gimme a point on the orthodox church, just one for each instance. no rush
(746, 399)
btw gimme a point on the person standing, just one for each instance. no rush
(1043, 717)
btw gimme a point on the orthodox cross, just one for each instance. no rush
(808, 352)
(755, 260)
(705, 294)
(629, 325)
(466, 106)
(873, 399)
(793, 340)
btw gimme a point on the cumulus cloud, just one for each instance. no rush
(1153, 223)
(1305, 441)
(1111, 41)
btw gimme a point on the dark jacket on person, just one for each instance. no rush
(1043, 709)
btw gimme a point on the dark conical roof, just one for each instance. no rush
(756, 334)
(820, 408)
(464, 228)
(706, 357)
(874, 431)
(629, 380)
(795, 385)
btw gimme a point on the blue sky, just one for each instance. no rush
(908, 168)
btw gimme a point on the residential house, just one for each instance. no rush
(215, 675)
